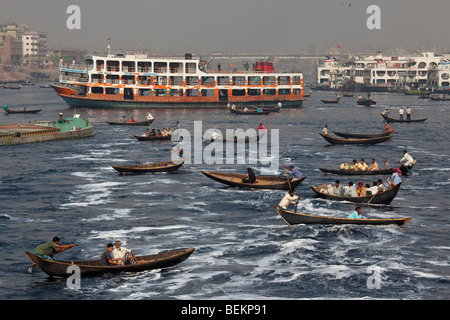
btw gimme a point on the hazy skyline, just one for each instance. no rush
(232, 26)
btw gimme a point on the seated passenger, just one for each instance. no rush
(362, 165)
(250, 177)
(373, 166)
(350, 191)
(373, 189)
(354, 166)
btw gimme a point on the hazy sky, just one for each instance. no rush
(233, 26)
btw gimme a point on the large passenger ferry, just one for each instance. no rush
(128, 81)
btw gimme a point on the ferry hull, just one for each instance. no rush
(102, 101)
(84, 102)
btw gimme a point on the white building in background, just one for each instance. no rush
(439, 76)
(34, 43)
(378, 73)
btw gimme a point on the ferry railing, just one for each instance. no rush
(77, 67)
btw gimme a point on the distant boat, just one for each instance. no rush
(12, 86)
(386, 118)
(167, 166)
(262, 182)
(336, 140)
(367, 102)
(23, 110)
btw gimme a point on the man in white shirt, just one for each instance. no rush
(288, 199)
(407, 158)
(400, 111)
(350, 191)
(120, 252)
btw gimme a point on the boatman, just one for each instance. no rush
(297, 175)
(406, 162)
(49, 249)
(325, 130)
(408, 113)
(288, 199)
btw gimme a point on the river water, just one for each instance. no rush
(244, 250)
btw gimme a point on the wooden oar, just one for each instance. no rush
(370, 199)
(297, 203)
(289, 182)
(179, 159)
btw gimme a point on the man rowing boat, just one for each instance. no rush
(49, 249)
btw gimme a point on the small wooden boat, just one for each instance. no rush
(93, 268)
(347, 94)
(262, 182)
(144, 137)
(336, 100)
(384, 197)
(439, 97)
(356, 172)
(137, 123)
(292, 218)
(360, 135)
(22, 110)
(12, 86)
(335, 140)
(398, 120)
(250, 111)
(167, 166)
(367, 102)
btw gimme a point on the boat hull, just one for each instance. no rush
(103, 102)
(137, 123)
(168, 166)
(262, 182)
(355, 172)
(293, 218)
(403, 121)
(385, 197)
(335, 140)
(92, 268)
(361, 135)
(23, 111)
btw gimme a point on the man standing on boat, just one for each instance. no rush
(400, 111)
(408, 113)
(297, 175)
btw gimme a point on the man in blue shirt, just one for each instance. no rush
(357, 214)
(295, 173)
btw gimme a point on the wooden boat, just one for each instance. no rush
(166, 166)
(355, 172)
(398, 120)
(360, 135)
(335, 140)
(292, 218)
(93, 268)
(367, 102)
(253, 112)
(384, 197)
(336, 100)
(439, 97)
(137, 123)
(262, 182)
(347, 94)
(22, 110)
(144, 137)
